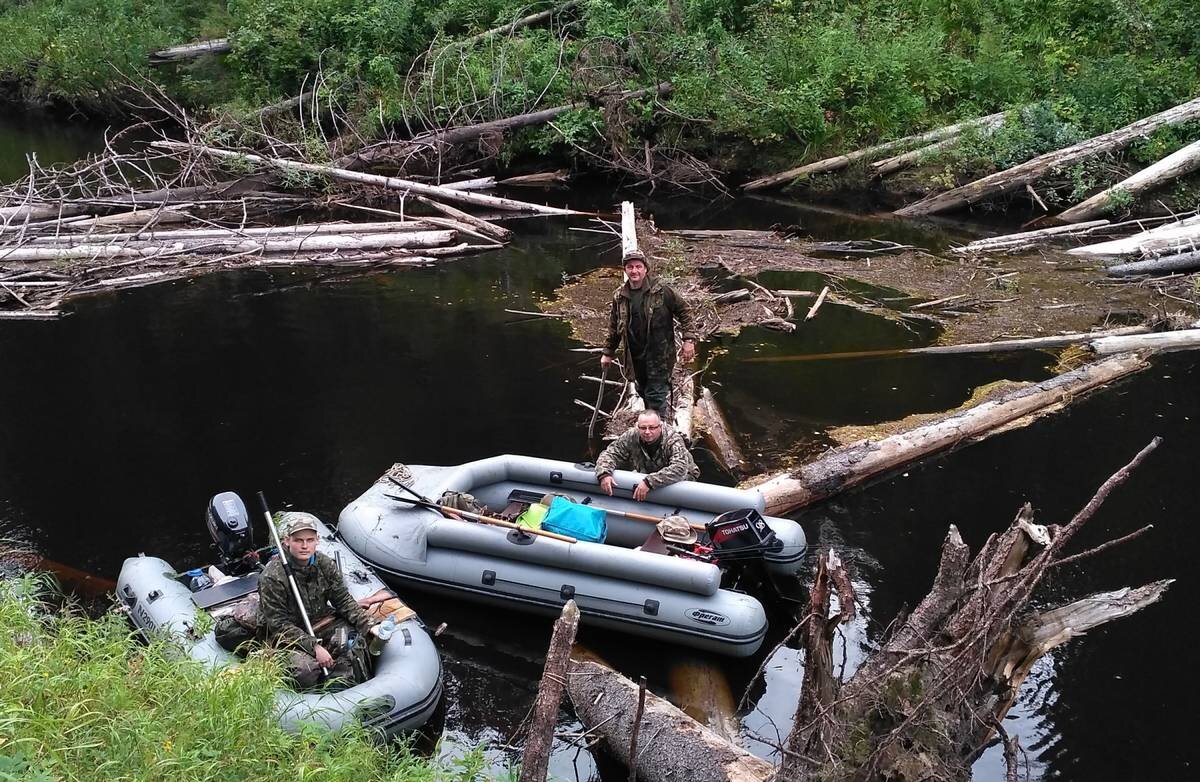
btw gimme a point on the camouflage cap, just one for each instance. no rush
(293, 521)
(675, 529)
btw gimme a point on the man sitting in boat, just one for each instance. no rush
(330, 607)
(650, 447)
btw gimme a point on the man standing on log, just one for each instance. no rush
(652, 448)
(642, 320)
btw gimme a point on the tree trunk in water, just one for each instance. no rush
(535, 759)
(714, 429)
(670, 741)
(927, 702)
(1177, 164)
(1187, 339)
(851, 465)
(1183, 262)
(1166, 239)
(1020, 175)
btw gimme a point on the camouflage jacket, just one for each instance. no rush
(661, 306)
(670, 464)
(323, 592)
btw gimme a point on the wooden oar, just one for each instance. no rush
(646, 516)
(447, 509)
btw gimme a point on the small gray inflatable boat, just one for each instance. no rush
(674, 598)
(403, 691)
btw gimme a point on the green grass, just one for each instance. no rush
(85, 700)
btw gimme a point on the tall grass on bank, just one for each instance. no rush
(84, 700)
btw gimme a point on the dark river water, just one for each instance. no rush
(120, 421)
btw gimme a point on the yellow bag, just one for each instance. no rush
(532, 517)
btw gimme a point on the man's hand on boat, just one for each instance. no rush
(607, 484)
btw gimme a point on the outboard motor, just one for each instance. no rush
(741, 535)
(229, 524)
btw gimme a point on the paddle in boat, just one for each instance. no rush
(397, 690)
(547, 534)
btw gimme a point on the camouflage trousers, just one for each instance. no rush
(306, 671)
(655, 391)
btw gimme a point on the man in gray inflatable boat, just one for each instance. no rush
(650, 447)
(330, 607)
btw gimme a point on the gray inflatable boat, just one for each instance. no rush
(400, 696)
(678, 599)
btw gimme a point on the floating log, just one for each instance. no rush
(812, 312)
(190, 51)
(1164, 239)
(1164, 341)
(1025, 238)
(559, 177)
(1182, 262)
(1173, 166)
(842, 161)
(714, 429)
(318, 243)
(219, 232)
(393, 183)
(851, 465)
(606, 701)
(536, 757)
(888, 166)
(479, 183)
(489, 229)
(1024, 173)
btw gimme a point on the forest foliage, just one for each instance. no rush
(753, 78)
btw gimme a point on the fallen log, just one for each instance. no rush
(218, 232)
(536, 757)
(852, 465)
(842, 161)
(379, 153)
(147, 249)
(1024, 173)
(1164, 239)
(1165, 341)
(606, 701)
(190, 51)
(1008, 241)
(512, 27)
(557, 177)
(1173, 166)
(888, 166)
(393, 183)
(714, 429)
(1181, 262)
(489, 229)
(629, 241)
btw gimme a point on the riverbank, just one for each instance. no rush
(777, 84)
(74, 684)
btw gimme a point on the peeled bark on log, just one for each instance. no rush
(629, 242)
(319, 243)
(1004, 243)
(272, 232)
(536, 758)
(559, 177)
(393, 183)
(1164, 240)
(851, 465)
(1024, 173)
(190, 51)
(842, 161)
(670, 740)
(499, 233)
(1166, 341)
(1183, 262)
(1177, 164)
(905, 160)
(715, 431)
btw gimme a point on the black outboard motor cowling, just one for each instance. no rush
(229, 524)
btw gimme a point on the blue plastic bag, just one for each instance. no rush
(581, 522)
